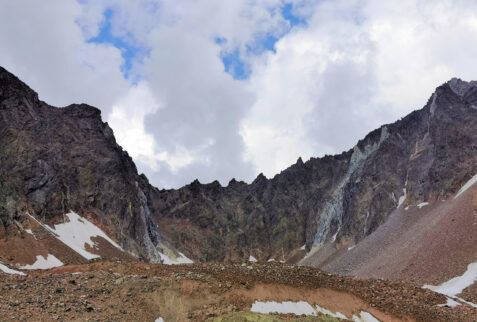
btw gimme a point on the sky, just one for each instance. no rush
(215, 90)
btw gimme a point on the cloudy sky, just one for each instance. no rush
(215, 89)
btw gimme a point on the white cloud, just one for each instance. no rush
(127, 118)
(356, 65)
(353, 66)
(45, 47)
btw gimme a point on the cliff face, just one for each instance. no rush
(340, 199)
(56, 159)
(53, 160)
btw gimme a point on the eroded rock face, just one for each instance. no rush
(426, 155)
(56, 159)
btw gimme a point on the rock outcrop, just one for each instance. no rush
(53, 160)
(56, 159)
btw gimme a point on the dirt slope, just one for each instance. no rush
(427, 245)
(120, 291)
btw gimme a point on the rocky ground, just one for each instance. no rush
(127, 291)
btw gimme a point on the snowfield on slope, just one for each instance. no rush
(304, 308)
(337, 315)
(456, 285)
(297, 308)
(466, 186)
(422, 204)
(182, 259)
(7, 270)
(76, 233)
(44, 263)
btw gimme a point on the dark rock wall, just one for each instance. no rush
(56, 159)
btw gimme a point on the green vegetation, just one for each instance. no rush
(258, 317)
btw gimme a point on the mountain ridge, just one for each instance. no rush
(338, 199)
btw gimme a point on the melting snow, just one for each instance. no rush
(364, 317)
(7, 270)
(450, 303)
(457, 284)
(78, 232)
(467, 185)
(181, 259)
(422, 204)
(304, 308)
(159, 320)
(297, 308)
(44, 263)
(252, 259)
(337, 315)
(271, 260)
(404, 195)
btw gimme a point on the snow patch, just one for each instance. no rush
(364, 317)
(337, 315)
(44, 263)
(466, 302)
(457, 284)
(467, 185)
(297, 308)
(271, 260)
(7, 270)
(422, 204)
(303, 247)
(450, 303)
(29, 231)
(78, 232)
(404, 195)
(181, 259)
(351, 247)
(159, 320)
(252, 259)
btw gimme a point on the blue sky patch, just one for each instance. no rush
(105, 36)
(237, 67)
(287, 13)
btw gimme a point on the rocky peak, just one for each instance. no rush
(54, 159)
(12, 87)
(260, 179)
(460, 87)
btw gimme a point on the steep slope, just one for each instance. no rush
(53, 160)
(335, 201)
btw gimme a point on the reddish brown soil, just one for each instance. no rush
(20, 248)
(126, 291)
